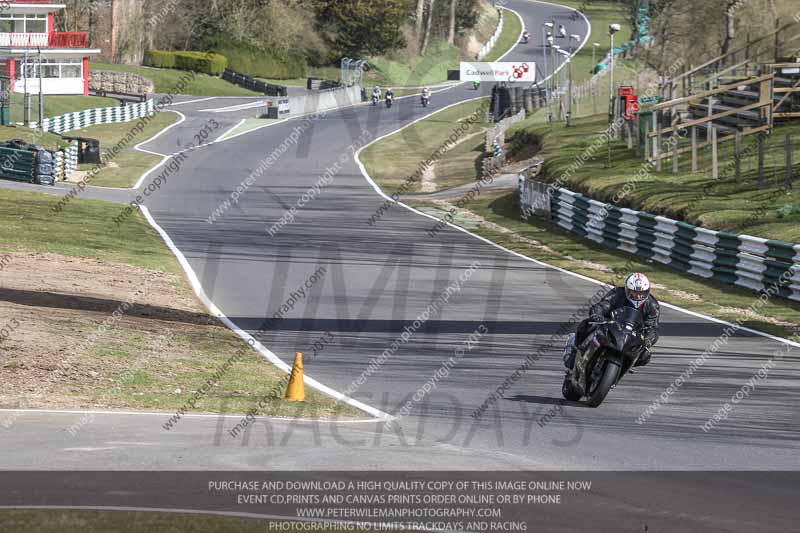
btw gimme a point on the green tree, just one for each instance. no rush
(363, 27)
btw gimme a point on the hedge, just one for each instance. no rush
(204, 62)
(264, 63)
(159, 59)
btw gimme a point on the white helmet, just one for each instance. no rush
(637, 289)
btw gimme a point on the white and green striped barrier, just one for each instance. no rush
(750, 262)
(487, 48)
(65, 161)
(101, 115)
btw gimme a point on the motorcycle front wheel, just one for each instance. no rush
(568, 391)
(599, 389)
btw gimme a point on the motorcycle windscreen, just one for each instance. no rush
(627, 322)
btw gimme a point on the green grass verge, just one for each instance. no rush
(58, 521)
(83, 229)
(546, 242)
(48, 140)
(166, 80)
(197, 344)
(509, 38)
(394, 159)
(128, 166)
(56, 105)
(727, 204)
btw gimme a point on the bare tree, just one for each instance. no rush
(419, 16)
(427, 38)
(730, 25)
(451, 34)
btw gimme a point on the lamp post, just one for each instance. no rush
(41, 93)
(568, 57)
(27, 97)
(545, 40)
(595, 46)
(556, 82)
(612, 30)
(576, 38)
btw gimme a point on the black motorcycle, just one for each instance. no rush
(389, 100)
(615, 347)
(425, 100)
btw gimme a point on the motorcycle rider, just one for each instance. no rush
(376, 94)
(525, 37)
(390, 93)
(635, 294)
(426, 94)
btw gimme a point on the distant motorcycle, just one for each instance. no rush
(526, 37)
(389, 100)
(425, 100)
(375, 99)
(615, 345)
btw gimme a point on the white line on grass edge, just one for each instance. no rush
(249, 339)
(517, 254)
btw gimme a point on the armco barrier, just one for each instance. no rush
(486, 48)
(749, 262)
(248, 82)
(100, 115)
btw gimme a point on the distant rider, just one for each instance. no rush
(376, 92)
(635, 294)
(390, 93)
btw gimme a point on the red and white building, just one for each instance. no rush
(27, 27)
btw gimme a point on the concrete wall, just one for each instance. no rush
(317, 101)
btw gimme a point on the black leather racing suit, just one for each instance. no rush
(614, 299)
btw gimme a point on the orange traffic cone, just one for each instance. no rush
(296, 391)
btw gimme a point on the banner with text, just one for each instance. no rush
(497, 72)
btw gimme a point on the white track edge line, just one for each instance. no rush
(187, 415)
(226, 132)
(165, 157)
(249, 339)
(193, 101)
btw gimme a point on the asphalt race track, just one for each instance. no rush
(378, 279)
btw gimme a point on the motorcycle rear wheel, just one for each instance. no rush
(598, 393)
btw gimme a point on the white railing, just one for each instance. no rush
(24, 39)
(489, 45)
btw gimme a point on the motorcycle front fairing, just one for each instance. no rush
(624, 336)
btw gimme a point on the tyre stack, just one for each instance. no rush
(45, 169)
(43, 161)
